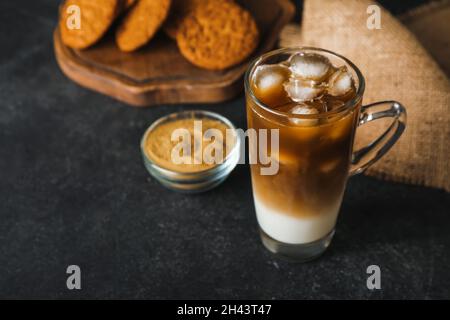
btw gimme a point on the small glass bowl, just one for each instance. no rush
(192, 182)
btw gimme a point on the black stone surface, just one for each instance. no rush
(73, 190)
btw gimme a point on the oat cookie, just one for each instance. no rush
(179, 11)
(96, 17)
(141, 23)
(218, 35)
(128, 3)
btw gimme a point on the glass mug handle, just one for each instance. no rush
(368, 155)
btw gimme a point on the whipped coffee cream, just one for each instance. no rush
(293, 229)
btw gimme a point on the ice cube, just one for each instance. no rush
(310, 66)
(301, 91)
(334, 104)
(285, 158)
(303, 109)
(268, 82)
(266, 77)
(330, 165)
(285, 63)
(340, 83)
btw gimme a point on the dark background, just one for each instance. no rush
(73, 190)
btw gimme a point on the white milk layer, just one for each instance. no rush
(293, 230)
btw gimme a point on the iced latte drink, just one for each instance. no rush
(314, 98)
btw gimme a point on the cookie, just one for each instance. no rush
(95, 19)
(179, 11)
(141, 23)
(128, 3)
(218, 35)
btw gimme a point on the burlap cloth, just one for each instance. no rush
(396, 67)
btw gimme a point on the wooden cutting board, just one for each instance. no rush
(158, 73)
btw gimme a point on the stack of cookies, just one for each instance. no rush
(211, 34)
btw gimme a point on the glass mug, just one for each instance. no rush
(297, 207)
